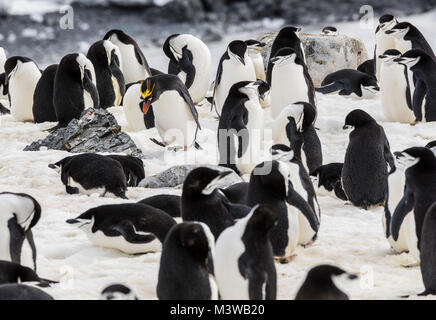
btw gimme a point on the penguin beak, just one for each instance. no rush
(241, 60)
(214, 183)
(145, 105)
(399, 60)
(346, 127)
(72, 221)
(382, 56)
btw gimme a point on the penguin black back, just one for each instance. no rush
(133, 168)
(43, 109)
(165, 202)
(22, 292)
(428, 251)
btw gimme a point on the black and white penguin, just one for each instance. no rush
(428, 251)
(190, 60)
(89, 173)
(408, 37)
(106, 58)
(175, 116)
(22, 76)
(419, 194)
(423, 68)
(383, 40)
(136, 119)
(236, 193)
(327, 178)
(235, 66)
(131, 227)
(254, 52)
(350, 82)
(270, 183)
(186, 264)
(74, 88)
(118, 292)
(320, 285)
(202, 201)
(244, 261)
(43, 109)
(432, 146)
(286, 38)
(241, 122)
(365, 173)
(303, 186)
(20, 213)
(367, 67)
(14, 291)
(264, 94)
(133, 168)
(169, 203)
(395, 88)
(295, 127)
(330, 31)
(290, 81)
(11, 272)
(133, 63)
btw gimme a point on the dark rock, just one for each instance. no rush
(97, 130)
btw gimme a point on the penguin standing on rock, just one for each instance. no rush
(319, 284)
(19, 214)
(244, 262)
(43, 109)
(235, 66)
(176, 118)
(22, 77)
(106, 58)
(74, 88)
(90, 173)
(290, 81)
(133, 63)
(423, 67)
(190, 60)
(254, 52)
(419, 194)
(365, 174)
(186, 264)
(131, 227)
(243, 116)
(384, 41)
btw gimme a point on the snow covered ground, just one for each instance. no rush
(349, 237)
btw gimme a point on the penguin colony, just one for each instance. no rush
(230, 239)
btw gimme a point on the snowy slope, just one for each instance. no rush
(349, 237)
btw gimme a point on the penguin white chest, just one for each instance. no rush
(133, 71)
(403, 45)
(5, 252)
(173, 119)
(132, 111)
(259, 67)
(288, 86)
(293, 230)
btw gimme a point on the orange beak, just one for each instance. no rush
(146, 106)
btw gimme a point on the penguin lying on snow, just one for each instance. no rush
(419, 193)
(133, 62)
(118, 292)
(319, 284)
(244, 263)
(11, 272)
(133, 168)
(166, 202)
(201, 201)
(186, 264)
(20, 213)
(43, 109)
(89, 173)
(190, 60)
(22, 76)
(131, 228)
(106, 58)
(176, 118)
(349, 82)
(22, 292)
(328, 177)
(365, 174)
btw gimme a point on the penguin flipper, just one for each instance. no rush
(239, 123)
(187, 67)
(4, 110)
(389, 158)
(29, 237)
(418, 98)
(330, 88)
(403, 208)
(128, 231)
(16, 240)
(295, 200)
(238, 211)
(173, 68)
(186, 96)
(89, 86)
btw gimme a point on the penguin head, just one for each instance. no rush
(330, 31)
(193, 238)
(86, 67)
(412, 57)
(171, 49)
(281, 152)
(389, 56)
(370, 85)
(301, 113)
(112, 54)
(237, 50)
(284, 56)
(14, 66)
(357, 118)
(325, 272)
(118, 292)
(431, 145)
(250, 89)
(264, 91)
(203, 181)
(387, 22)
(85, 221)
(116, 35)
(263, 219)
(415, 155)
(149, 93)
(276, 181)
(288, 31)
(400, 30)
(254, 46)
(27, 209)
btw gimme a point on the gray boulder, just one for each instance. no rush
(97, 130)
(175, 176)
(325, 54)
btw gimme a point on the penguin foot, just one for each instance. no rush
(197, 146)
(175, 149)
(414, 123)
(71, 190)
(425, 293)
(162, 144)
(285, 260)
